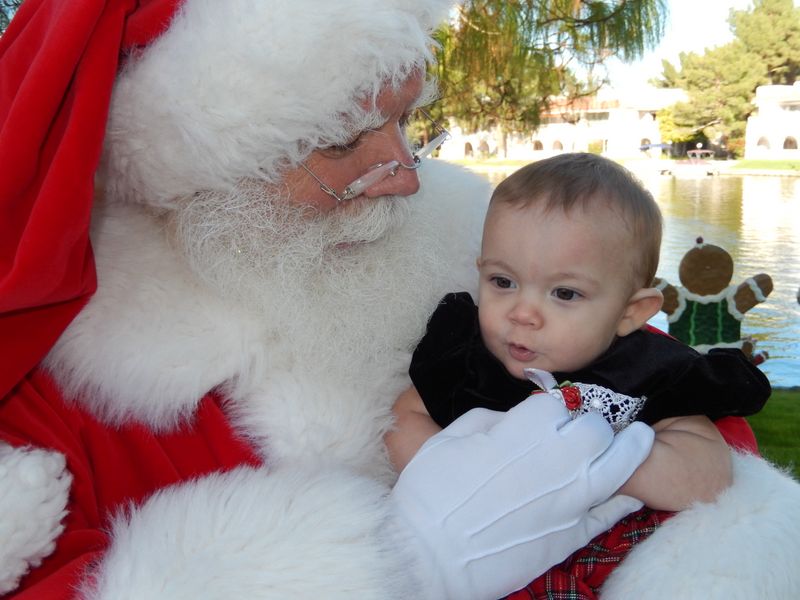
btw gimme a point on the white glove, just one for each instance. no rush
(495, 499)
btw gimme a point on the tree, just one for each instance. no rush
(502, 61)
(7, 10)
(721, 83)
(669, 76)
(720, 86)
(771, 31)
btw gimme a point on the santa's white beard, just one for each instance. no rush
(340, 289)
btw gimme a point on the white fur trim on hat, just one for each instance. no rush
(33, 497)
(246, 88)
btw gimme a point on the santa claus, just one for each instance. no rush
(194, 405)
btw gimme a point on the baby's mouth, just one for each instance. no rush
(520, 353)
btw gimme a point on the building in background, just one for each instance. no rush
(615, 123)
(773, 130)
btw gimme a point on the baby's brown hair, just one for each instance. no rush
(582, 180)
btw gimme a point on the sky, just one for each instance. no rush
(692, 26)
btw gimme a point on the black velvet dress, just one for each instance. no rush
(454, 372)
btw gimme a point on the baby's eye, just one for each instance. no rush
(566, 294)
(504, 283)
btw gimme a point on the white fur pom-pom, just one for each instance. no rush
(34, 487)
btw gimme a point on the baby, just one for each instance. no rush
(570, 249)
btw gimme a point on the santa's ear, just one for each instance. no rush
(642, 305)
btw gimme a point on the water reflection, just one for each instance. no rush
(757, 220)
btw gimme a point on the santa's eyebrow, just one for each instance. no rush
(427, 96)
(371, 120)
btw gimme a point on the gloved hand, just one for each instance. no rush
(495, 499)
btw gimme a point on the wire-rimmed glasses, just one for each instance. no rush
(381, 171)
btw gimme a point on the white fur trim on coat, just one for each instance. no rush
(152, 341)
(34, 487)
(180, 121)
(745, 545)
(250, 533)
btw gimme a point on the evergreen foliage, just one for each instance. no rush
(721, 82)
(771, 32)
(502, 61)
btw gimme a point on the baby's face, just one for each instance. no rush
(553, 286)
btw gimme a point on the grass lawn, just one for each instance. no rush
(769, 165)
(777, 429)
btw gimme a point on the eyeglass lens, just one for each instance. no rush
(370, 178)
(428, 148)
(382, 170)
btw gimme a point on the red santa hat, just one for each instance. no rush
(208, 93)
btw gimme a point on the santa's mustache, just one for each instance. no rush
(252, 229)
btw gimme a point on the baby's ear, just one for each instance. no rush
(644, 303)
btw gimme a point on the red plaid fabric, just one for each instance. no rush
(581, 575)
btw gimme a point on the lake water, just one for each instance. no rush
(756, 218)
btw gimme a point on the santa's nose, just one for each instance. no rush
(403, 181)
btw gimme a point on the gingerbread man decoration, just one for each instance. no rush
(707, 310)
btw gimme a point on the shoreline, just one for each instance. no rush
(655, 165)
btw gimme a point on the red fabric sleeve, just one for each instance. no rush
(58, 61)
